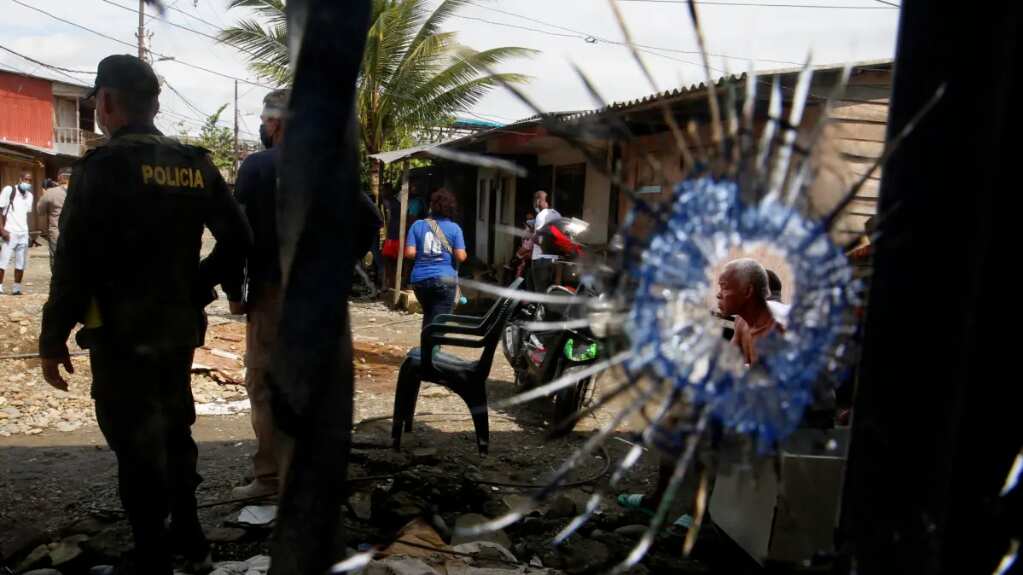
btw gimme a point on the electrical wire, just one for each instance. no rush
(129, 44)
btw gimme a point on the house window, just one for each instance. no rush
(569, 190)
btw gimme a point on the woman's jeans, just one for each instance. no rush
(436, 295)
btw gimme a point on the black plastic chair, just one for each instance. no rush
(467, 378)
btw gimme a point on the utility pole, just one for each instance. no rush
(141, 34)
(235, 128)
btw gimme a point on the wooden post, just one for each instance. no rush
(141, 34)
(401, 231)
(234, 164)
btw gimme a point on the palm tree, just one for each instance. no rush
(414, 77)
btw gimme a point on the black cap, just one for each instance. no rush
(125, 72)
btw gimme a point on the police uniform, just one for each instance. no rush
(128, 266)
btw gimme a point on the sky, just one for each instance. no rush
(583, 33)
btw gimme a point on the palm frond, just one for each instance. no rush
(266, 47)
(272, 10)
(414, 76)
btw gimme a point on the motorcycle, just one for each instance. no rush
(539, 355)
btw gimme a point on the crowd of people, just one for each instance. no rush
(17, 207)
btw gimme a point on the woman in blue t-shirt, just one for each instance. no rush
(435, 243)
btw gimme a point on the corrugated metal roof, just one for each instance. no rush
(699, 87)
(415, 151)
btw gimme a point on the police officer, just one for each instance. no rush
(127, 266)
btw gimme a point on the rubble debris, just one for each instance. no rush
(561, 508)
(225, 534)
(20, 540)
(578, 555)
(631, 531)
(111, 543)
(419, 550)
(258, 565)
(361, 505)
(222, 407)
(425, 456)
(469, 520)
(39, 557)
(398, 508)
(416, 539)
(67, 550)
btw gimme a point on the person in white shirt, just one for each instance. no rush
(15, 207)
(542, 268)
(779, 310)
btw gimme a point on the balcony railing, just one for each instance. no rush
(75, 142)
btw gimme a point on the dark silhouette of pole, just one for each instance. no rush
(936, 417)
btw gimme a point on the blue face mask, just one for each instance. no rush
(25, 187)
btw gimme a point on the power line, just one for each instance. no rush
(757, 5)
(181, 119)
(245, 125)
(129, 44)
(509, 25)
(196, 123)
(888, 3)
(12, 68)
(194, 17)
(45, 65)
(548, 32)
(586, 36)
(651, 50)
(185, 100)
(58, 69)
(215, 15)
(183, 27)
(205, 115)
(168, 22)
(247, 92)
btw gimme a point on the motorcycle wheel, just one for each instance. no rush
(569, 400)
(509, 344)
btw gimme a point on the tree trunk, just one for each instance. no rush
(376, 171)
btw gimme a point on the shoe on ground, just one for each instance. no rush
(256, 488)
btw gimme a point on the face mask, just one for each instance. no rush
(265, 138)
(99, 114)
(25, 187)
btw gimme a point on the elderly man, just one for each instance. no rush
(742, 292)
